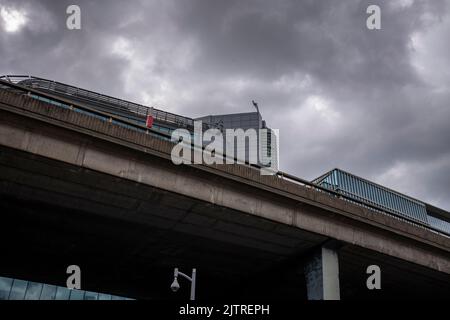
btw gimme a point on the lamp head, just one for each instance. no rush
(175, 285)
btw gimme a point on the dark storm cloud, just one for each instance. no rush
(375, 103)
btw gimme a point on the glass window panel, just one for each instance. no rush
(5, 287)
(48, 292)
(62, 293)
(18, 290)
(90, 295)
(33, 291)
(76, 294)
(103, 296)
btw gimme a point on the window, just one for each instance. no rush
(18, 290)
(48, 292)
(33, 291)
(5, 287)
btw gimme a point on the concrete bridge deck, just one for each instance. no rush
(74, 187)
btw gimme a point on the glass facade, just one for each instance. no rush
(16, 289)
(374, 195)
(244, 121)
(249, 120)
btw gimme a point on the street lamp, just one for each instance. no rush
(175, 285)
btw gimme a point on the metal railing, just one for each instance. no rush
(104, 102)
(373, 193)
(17, 87)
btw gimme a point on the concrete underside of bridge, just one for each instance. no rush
(127, 238)
(70, 198)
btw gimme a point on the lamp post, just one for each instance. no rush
(175, 285)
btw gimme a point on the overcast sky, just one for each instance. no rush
(372, 102)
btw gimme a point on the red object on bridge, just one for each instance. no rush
(149, 122)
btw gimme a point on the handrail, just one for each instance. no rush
(76, 92)
(84, 107)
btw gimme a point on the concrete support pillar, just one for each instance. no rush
(322, 275)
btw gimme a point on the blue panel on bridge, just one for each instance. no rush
(373, 195)
(439, 224)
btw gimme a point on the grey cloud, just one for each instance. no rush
(375, 103)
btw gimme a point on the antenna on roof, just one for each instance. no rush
(255, 105)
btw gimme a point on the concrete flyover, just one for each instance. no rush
(76, 187)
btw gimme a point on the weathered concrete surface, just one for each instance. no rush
(322, 275)
(74, 138)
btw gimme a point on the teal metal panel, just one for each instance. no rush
(373, 194)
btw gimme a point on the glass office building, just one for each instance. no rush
(267, 144)
(16, 289)
(373, 195)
